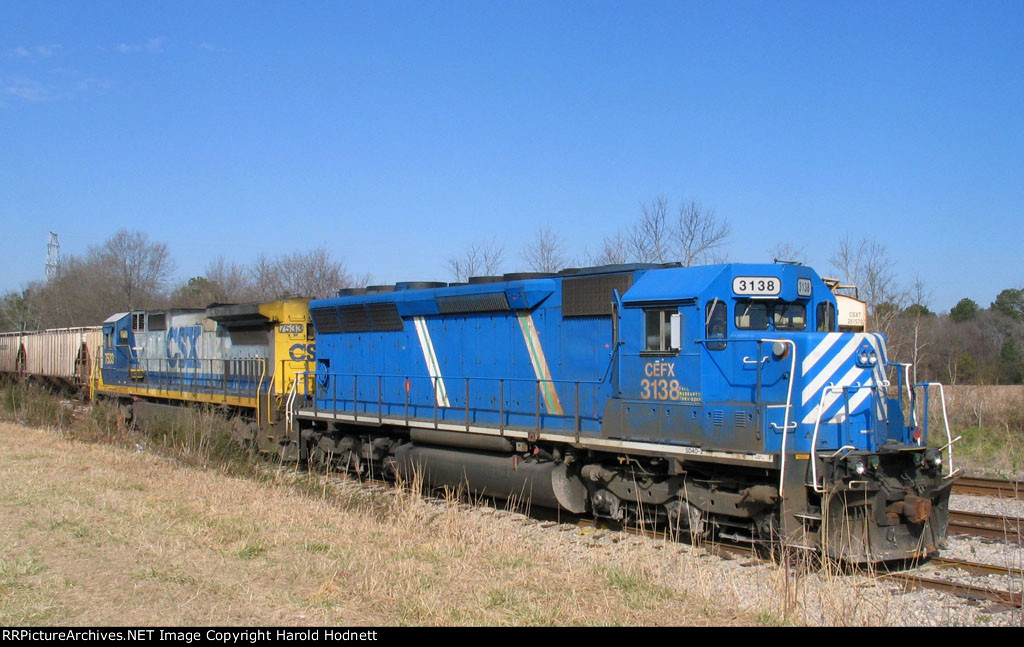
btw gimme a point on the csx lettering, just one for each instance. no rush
(659, 369)
(182, 347)
(302, 352)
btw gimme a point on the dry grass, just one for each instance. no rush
(98, 535)
(174, 527)
(990, 420)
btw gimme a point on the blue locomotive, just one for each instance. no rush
(718, 400)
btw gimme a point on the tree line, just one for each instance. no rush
(968, 345)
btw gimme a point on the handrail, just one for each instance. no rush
(259, 386)
(788, 394)
(536, 406)
(831, 388)
(289, 410)
(945, 419)
(210, 376)
(789, 407)
(452, 377)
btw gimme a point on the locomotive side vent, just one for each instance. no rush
(486, 302)
(740, 419)
(592, 295)
(384, 317)
(354, 318)
(370, 317)
(326, 320)
(718, 417)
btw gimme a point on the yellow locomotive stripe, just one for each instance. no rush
(189, 396)
(540, 364)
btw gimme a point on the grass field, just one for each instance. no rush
(98, 535)
(101, 524)
(990, 422)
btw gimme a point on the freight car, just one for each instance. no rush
(721, 400)
(59, 356)
(243, 357)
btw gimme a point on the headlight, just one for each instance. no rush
(866, 358)
(780, 350)
(933, 457)
(859, 467)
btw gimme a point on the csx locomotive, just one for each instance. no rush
(722, 401)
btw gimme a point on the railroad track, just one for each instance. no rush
(921, 575)
(989, 487)
(991, 526)
(923, 579)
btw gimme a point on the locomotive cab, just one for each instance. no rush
(746, 364)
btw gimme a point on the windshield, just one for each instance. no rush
(762, 315)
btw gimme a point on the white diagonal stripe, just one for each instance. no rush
(855, 401)
(820, 350)
(826, 373)
(433, 368)
(830, 397)
(881, 410)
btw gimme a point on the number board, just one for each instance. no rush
(803, 287)
(289, 329)
(759, 286)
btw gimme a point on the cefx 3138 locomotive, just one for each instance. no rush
(718, 400)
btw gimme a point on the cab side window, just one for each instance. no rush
(658, 330)
(826, 317)
(717, 324)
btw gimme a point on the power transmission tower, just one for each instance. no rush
(52, 257)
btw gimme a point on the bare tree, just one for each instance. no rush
(137, 269)
(18, 309)
(698, 233)
(651, 239)
(315, 273)
(692, 236)
(483, 258)
(866, 264)
(786, 251)
(546, 252)
(614, 251)
(914, 327)
(233, 281)
(222, 282)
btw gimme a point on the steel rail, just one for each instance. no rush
(989, 487)
(991, 526)
(915, 581)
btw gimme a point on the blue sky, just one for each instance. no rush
(396, 133)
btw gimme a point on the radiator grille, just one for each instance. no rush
(487, 302)
(592, 295)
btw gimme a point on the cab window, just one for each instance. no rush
(826, 317)
(716, 322)
(752, 315)
(658, 330)
(790, 316)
